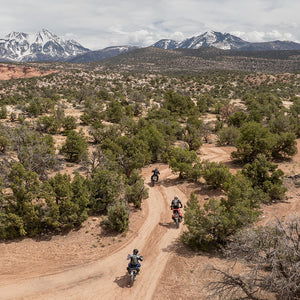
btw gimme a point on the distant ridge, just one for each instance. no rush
(224, 41)
(101, 54)
(153, 59)
(46, 46)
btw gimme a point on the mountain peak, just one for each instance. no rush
(45, 35)
(210, 39)
(16, 35)
(225, 41)
(42, 46)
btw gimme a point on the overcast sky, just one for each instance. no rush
(97, 24)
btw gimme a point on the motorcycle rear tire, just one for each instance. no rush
(132, 278)
(154, 178)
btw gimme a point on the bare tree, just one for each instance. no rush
(271, 258)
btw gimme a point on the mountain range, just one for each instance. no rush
(225, 41)
(42, 46)
(46, 46)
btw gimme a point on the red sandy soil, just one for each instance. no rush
(90, 263)
(13, 72)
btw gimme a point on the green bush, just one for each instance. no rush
(4, 140)
(69, 123)
(182, 161)
(106, 187)
(118, 217)
(136, 190)
(75, 147)
(253, 140)
(227, 136)
(72, 198)
(216, 174)
(3, 112)
(48, 124)
(265, 177)
(178, 104)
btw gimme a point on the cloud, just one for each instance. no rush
(97, 24)
(260, 36)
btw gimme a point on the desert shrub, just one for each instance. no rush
(130, 152)
(136, 190)
(22, 214)
(226, 111)
(4, 139)
(215, 174)
(38, 106)
(202, 105)
(154, 139)
(11, 226)
(182, 160)
(3, 112)
(69, 123)
(75, 147)
(106, 187)
(34, 108)
(193, 133)
(227, 136)
(13, 117)
(237, 119)
(266, 178)
(35, 151)
(114, 112)
(254, 139)
(93, 111)
(72, 198)
(286, 145)
(213, 224)
(178, 104)
(118, 217)
(207, 227)
(48, 124)
(280, 124)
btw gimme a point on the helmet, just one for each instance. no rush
(175, 197)
(135, 251)
(156, 169)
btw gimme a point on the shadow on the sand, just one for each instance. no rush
(123, 281)
(167, 225)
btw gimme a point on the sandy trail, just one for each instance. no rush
(107, 278)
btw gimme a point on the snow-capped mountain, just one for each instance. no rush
(42, 46)
(46, 46)
(219, 40)
(224, 41)
(166, 44)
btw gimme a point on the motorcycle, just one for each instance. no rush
(176, 217)
(154, 179)
(132, 271)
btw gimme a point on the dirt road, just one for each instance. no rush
(107, 277)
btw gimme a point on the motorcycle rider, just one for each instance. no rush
(134, 260)
(155, 173)
(176, 205)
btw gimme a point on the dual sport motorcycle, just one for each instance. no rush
(177, 218)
